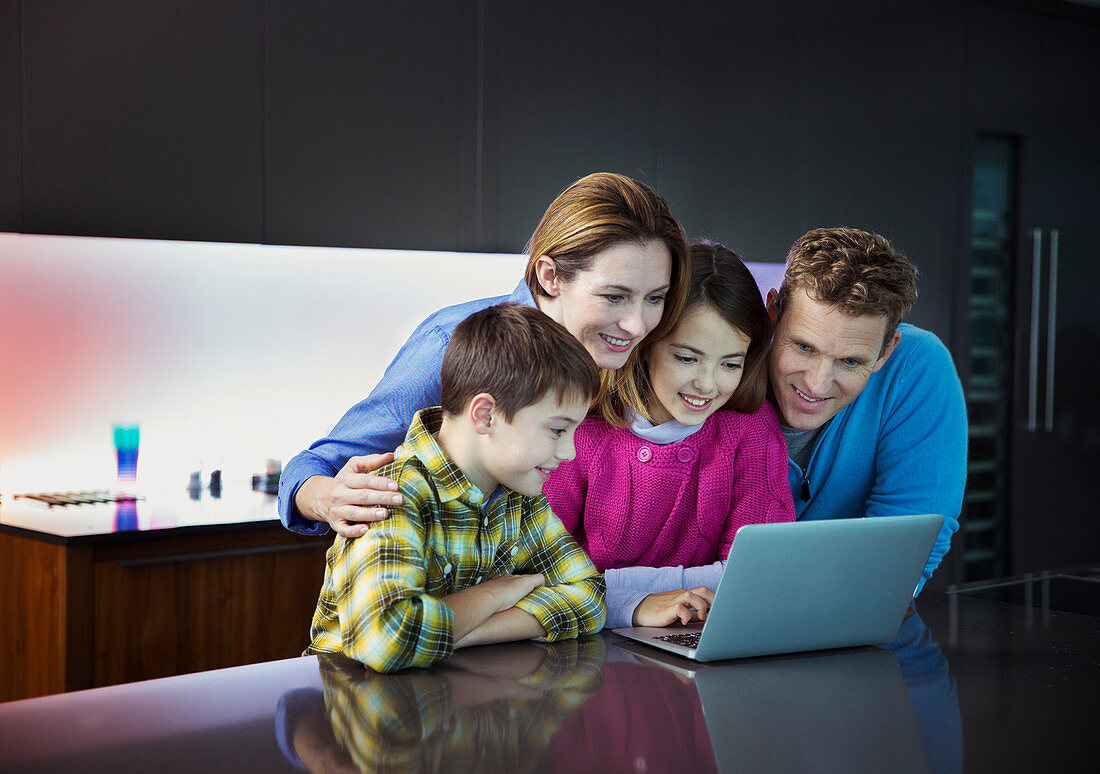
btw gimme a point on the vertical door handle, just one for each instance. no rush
(1033, 348)
(1052, 311)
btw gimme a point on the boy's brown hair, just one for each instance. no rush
(517, 354)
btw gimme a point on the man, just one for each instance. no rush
(872, 410)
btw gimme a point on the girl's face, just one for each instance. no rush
(613, 304)
(696, 368)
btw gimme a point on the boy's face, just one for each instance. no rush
(522, 453)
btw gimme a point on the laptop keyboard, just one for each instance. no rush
(688, 640)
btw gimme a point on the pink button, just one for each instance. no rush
(685, 455)
(645, 454)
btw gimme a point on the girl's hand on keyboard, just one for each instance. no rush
(681, 605)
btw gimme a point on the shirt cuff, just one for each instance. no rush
(292, 518)
(621, 604)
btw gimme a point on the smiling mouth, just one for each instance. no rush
(806, 397)
(616, 343)
(545, 471)
(695, 404)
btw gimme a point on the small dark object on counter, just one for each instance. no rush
(266, 482)
(215, 484)
(194, 486)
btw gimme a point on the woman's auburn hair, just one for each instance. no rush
(597, 212)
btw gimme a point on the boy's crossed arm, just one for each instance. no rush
(486, 613)
(559, 594)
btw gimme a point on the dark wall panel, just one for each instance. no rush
(728, 143)
(1003, 72)
(881, 102)
(143, 119)
(370, 123)
(11, 156)
(575, 92)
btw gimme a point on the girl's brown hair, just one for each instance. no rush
(719, 279)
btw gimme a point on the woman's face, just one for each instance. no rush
(695, 369)
(613, 304)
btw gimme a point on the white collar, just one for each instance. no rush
(662, 434)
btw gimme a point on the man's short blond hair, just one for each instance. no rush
(856, 271)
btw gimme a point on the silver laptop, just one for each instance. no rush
(807, 585)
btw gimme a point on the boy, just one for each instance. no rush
(474, 555)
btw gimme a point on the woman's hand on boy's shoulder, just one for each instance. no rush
(356, 497)
(679, 605)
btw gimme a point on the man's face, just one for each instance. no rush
(821, 359)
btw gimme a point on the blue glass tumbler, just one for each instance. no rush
(127, 438)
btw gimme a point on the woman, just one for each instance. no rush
(608, 261)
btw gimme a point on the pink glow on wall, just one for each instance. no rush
(72, 339)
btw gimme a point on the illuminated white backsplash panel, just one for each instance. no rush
(225, 354)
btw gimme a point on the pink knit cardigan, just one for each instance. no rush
(630, 502)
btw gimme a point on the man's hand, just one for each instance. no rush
(351, 498)
(666, 607)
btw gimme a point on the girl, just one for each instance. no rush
(608, 261)
(686, 452)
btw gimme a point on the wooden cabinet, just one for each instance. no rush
(86, 615)
(571, 88)
(879, 106)
(729, 154)
(1053, 516)
(11, 150)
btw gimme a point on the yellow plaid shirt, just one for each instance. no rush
(382, 598)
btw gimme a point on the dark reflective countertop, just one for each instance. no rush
(1074, 590)
(970, 684)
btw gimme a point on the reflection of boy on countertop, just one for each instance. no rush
(475, 554)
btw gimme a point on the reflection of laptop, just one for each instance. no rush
(807, 586)
(845, 710)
